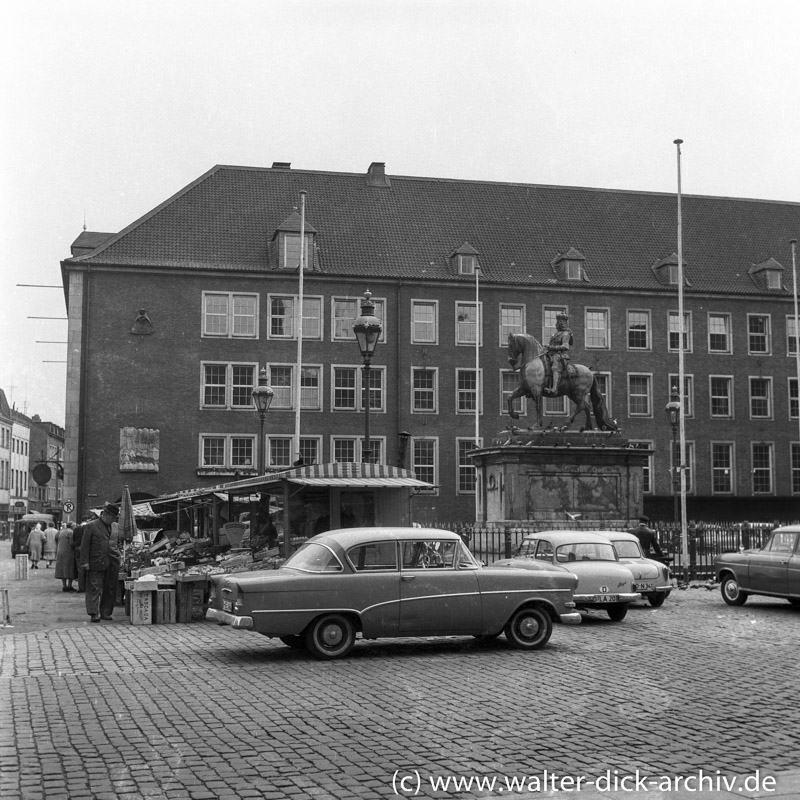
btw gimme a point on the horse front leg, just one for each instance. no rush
(518, 392)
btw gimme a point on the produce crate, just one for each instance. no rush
(142, 607)
(192, 597)
(165, 610)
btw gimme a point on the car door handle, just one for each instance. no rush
(408, 577)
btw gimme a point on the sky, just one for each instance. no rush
(112, 106)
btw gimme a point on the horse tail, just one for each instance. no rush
(601, 415)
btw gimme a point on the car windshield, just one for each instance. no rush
(585, 551)
(314, 557)
(626, 549)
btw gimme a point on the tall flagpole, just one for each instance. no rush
(796, 331)
(681, 381)
(477, 358)
(299, 325)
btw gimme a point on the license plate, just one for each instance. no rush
(643, 587)
(606, 598)
(227, 605)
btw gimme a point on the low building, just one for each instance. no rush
(172, 319)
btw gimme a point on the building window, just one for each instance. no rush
(283, 317)
(555, 406)
(424, 321)
(773, 279)
(468, 391)
(761, 398)
(688, 466)
(795, 456)
(466, 264)
(281, 378)
(466, 477)
(290, 250)
(759, 338)
(675, 333)
(791, 336)
(228, 315)
(762, 468)
(597, 333)
(348, 391)
(721, 395)
(549, 314)
(722, 481)
(509, 381)
(424, 454)
(350, 449)
(468, 323)
(688, 392)
(227, 451)
(345, 310)
(603, 382)
(719, 333)
(638, 330)
(640, 389)
(647, 469)
(794, 408)
(424, 390)
(228, 385)
(282, 454)
(512, 320)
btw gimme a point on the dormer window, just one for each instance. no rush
(767, 275)
(290, 250)
(465, 259)
(667, 272)
(285, 244)
(569, 266)
(673, 274)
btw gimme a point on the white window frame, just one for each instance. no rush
(606, 316)
(794, 468)
(278, 404)
(648, 443)
(791, 336)
(793, 400)
(228, 438)
(554, 406)
(308, 301)
(731, 468)
(691, 482)
(520, 403)
(466, 440)
(459, 324)
(608, 393)
(649, 412)
(419, 304)
(726, 320)
(648, 329)
(434, 467)
(230, 316)
(377, 393)
(687, 331)
(413, 388)
(347, 335)
(273, 438)
(479, 398)
(687, 398)
(770, 404)
(505, 329)
(767, 351)
(770, 468)
(228, 404)
(711, 379)
(358, 448)
(287, 252)
(467, 263)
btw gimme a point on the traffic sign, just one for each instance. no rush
(68, 507)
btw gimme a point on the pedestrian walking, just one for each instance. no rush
(50, 544)
(647, 538)
(100, 558)
(65, 558)
(35, 543)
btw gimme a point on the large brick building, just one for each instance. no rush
(171, 319)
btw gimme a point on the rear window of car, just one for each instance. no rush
(627, 549)
(373, 556)
(585, 551)
(313, 557)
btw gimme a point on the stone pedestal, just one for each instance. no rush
(566, 477)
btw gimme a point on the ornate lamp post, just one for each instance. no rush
(262, 397)
(673, 409)
(367, 329)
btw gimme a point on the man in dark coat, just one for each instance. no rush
(647, 539)
(100, 559)
(77, 538)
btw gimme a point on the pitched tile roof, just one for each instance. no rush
(410, 226)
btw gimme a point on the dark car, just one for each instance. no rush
(772, 571)
(22, 527)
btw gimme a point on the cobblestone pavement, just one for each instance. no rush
(200, 711)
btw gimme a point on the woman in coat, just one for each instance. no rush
(49, 550)
(35, 544)
(65, 559)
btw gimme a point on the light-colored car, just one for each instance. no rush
(773, 570)
(603, 582)
(650, 578)
(383, 582)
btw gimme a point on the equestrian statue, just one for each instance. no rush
(549, 372)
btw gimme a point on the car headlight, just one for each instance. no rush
(212, 592)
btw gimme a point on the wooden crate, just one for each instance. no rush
(192, 597)
(165, 610)
(141, 608)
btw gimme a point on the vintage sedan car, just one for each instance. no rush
(603, 582)
(651, 578)
(773, 570)
(391, 582)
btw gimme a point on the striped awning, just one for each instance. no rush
(376, 483)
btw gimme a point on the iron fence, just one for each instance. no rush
(706, 540)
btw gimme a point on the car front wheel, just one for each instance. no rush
(731, 593)
(657, 599)
(617, 612)
(529, 629)
(331, 636)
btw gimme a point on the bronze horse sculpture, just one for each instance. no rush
(577, 382)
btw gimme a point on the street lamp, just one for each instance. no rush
(367, 329)
(673, 409)
(262, 397)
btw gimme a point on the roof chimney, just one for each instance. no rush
(281, 165)
(376, 174)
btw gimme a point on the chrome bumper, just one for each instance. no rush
(571, 618)
(224, 618)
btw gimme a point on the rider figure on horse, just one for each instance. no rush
(558, 352)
